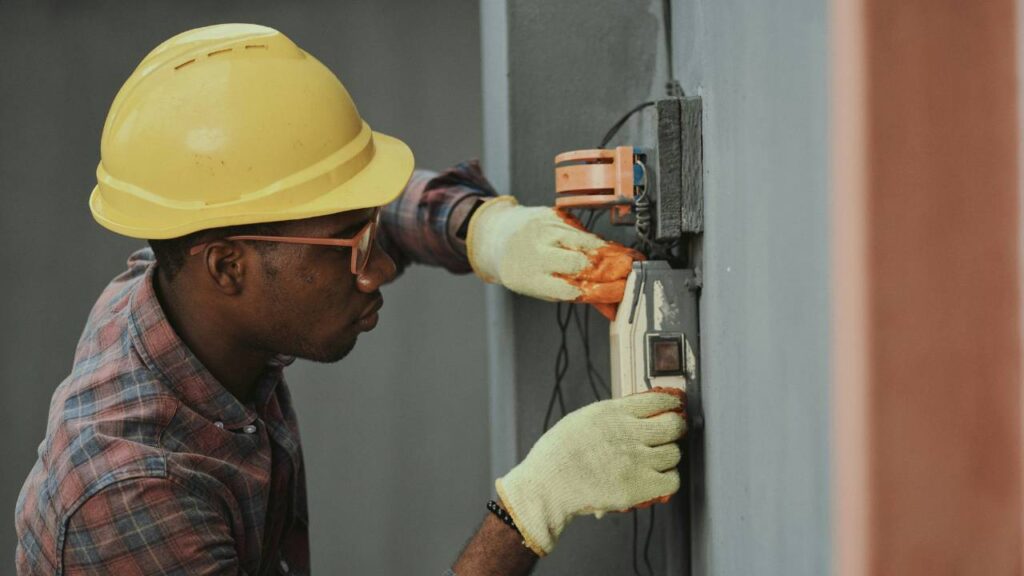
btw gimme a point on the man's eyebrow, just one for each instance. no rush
(349, 231)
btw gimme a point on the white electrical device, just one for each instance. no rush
(654, 335)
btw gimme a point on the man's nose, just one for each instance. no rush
(380, 270)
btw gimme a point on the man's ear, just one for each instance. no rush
(226, 264)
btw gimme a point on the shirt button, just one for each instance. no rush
(219, 424)
(250, 429)
(284, 566)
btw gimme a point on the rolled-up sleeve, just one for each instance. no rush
(148, 526)
(418, 226)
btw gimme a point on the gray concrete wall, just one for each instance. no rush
(573, 68)
(396, 435)
(761, 68)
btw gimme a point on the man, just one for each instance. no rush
(172, 447)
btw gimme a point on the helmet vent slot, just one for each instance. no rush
(215, 52)
(183, 64)
(251, 46)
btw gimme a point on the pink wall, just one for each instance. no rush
(926, 291)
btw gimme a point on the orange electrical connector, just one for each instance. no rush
(595, 179)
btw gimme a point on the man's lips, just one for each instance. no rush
(368, 320)
(372, 307)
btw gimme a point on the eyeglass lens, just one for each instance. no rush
(365, 246)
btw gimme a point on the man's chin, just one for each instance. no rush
(330, 355)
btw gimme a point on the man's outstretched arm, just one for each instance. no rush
(423, 225)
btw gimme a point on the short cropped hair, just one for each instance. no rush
(172, 252)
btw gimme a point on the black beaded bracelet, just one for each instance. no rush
(502, 515)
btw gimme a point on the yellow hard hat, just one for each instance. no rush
(235, 124)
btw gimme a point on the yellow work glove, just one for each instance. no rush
(545, 253)
(609, 456)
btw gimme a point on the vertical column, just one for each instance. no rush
(926, 288)
(496, 161)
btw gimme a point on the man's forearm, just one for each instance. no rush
(495, 550)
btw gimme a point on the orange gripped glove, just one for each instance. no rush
(547, 254)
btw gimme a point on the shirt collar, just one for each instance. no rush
(164, 352)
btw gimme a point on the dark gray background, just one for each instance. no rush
(396, 436)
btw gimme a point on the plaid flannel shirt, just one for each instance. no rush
(416, 225)
(150, 466)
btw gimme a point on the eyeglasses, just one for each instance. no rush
(361, 244)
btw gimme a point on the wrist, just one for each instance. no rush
(484, 240)
(495, 549)
(524, 500)
(459, 218)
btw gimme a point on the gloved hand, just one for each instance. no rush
(547, 254)
(609, 456)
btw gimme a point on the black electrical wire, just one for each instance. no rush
(647, 543)
(618, 124)
(636, 566)
(666, 21)
(594, 377)
(561, 365)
